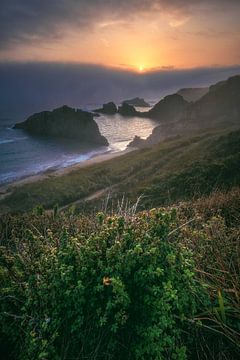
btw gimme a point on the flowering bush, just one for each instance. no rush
(118, 289)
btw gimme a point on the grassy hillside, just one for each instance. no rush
(176, 169)
(161, 284)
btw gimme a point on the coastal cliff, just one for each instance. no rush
(220, 106)
(193, 94)
(170, 108)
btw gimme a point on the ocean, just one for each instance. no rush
(22, 155)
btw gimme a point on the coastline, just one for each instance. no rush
(6, 189)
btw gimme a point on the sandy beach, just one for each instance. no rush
(6, 189)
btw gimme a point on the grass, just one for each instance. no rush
(217, 257)
(177, 169)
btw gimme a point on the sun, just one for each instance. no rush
(141, 68)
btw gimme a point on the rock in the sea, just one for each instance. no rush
(137, 142)
(110, 109)
(127, 110)
(140, 102)
(64, 122)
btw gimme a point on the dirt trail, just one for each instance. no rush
(7, 189)
(93, 196)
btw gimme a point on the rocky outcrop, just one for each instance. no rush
(171, 108)
(127, 110)
(192, 94)
(139, 102)
(220, 106)
(137, 142)
(64, 122)
(110, 109)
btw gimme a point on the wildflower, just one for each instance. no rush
(106, 281)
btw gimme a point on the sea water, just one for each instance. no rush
(22, 155)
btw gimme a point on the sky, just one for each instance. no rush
(80, 52)
(135, 35)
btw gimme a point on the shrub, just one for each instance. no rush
(113, 288)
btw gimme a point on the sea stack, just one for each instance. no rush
(64, 122)
(109, 109)
(127, 110)
(139, 102)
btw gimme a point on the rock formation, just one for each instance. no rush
(220, 106)
(110, 109)
(64, 122)
(192, 94)
(127, 110)
(140, 102)
(171, 108)
(137, 142)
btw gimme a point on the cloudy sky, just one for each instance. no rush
(138, 35)
(79, 52)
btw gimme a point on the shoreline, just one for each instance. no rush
(6, 189)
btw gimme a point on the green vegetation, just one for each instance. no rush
(161, 284)
(180, 168)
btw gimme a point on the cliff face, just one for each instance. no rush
(219, 107)
(221, 103)
(171, 108)
(64, 122)
(192, 94)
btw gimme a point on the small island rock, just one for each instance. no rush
(127, 110)
(110, 109)
(64, 122)
(139, 102)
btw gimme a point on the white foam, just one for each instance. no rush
(6, 141)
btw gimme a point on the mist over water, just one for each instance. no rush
(27, 88)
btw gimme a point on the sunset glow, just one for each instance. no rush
(129, 35)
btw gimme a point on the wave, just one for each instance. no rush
(83, 157)
(6, 141)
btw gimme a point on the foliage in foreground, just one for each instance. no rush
(121, 291)
(162, 284)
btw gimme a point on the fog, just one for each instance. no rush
(26, 88)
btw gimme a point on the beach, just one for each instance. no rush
(24, 156)
(6, 189)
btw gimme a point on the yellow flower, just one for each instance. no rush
(106, 281)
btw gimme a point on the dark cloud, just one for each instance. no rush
(24, 21)
(31, 87)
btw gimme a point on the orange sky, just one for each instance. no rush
(168, 37)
